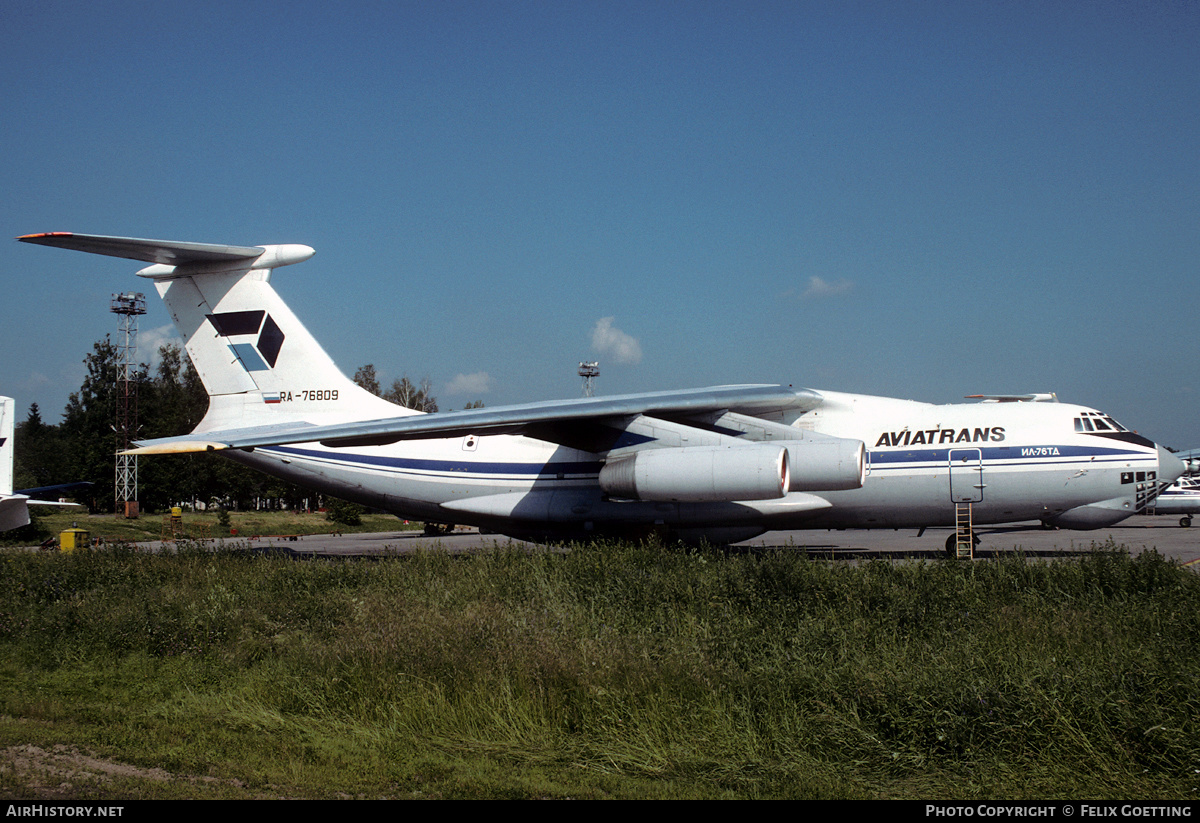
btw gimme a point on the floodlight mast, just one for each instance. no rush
(128, 307)
(589, 371)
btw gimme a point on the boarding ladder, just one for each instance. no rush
(964, 532)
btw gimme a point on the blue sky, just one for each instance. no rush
(921, 200)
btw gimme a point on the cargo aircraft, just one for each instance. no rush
(14, 505)
(719, 464)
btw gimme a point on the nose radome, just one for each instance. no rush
(1170, 467)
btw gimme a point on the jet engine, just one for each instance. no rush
(700, 474)
(826, 464)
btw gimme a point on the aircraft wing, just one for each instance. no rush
(550, 420)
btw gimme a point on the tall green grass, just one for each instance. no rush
(614, 670)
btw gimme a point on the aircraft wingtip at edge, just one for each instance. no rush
(40, 234)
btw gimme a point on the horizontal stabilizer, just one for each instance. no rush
(60, 504)
(181, 445)
(247, 437)
(165, 252)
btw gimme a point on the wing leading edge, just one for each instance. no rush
(532, 419)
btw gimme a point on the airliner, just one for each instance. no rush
(720, 464)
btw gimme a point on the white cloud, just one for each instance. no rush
(37, 380)
(820, 288)
(150, 340)
(478, 383)
(611, 341)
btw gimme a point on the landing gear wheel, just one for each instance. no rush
(952, 544)
(1185, 521)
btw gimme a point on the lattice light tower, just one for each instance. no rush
(589, 372)
(128, 307)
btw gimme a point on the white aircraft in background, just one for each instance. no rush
(14, 506)
(1183, 496)
(722, 464)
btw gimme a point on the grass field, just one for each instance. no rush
(607, 671)
(204, 525)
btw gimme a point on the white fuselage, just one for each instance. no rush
(1011, 461)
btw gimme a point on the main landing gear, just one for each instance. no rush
(952, 544)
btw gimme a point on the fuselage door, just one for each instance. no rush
(966, 475)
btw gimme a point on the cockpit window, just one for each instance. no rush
(1095, 421)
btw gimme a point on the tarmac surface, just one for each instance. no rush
(1138, 534)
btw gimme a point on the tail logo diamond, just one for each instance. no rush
(259, 355)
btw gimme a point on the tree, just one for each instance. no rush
(33, 421)
(176, 401)
(344, 512)
(173, 403)
(87, 427)
(366, 378)
(404, 393)
(39, 458)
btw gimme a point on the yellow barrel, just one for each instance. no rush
(73, 540)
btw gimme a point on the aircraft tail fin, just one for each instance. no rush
(258, 362)
(8, 408)
(14, 513)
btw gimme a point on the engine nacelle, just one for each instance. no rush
(826, 464)
(700, 474)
